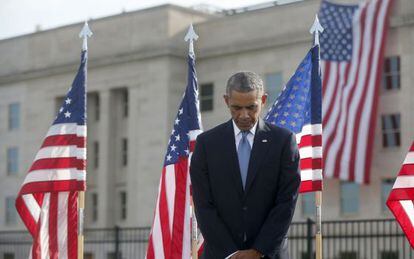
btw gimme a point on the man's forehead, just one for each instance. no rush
(250, 94)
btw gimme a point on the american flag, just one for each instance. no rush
(352, 51)
(48, 198)
(401, 199)
(298, 108)
(171, 230)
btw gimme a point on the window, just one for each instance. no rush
(391, 128)
(349, 198)
(386, 186)
(348, 255)
(123, 197)
(391, 76)
(14, 116)
(308, 204)
(88, 256)
(95, 154)
(306, 255)
(94, 207)
(125, 103)
(94, 104)
(10, 211)
(112, 255)
(389, 255)
(8, 256)
(274, 85)
(206, 97)
(12, 160)
(58, 104)
(124, 152)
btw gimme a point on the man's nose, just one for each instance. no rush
(244, 113)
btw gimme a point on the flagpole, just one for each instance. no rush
(194, 233)
(315, 30)
(191, 36)
(84, 34)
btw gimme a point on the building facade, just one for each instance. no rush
(136, 77)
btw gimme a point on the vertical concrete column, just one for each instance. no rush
(104, 178)
(133, 179)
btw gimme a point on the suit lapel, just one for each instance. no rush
(260, 147)
(232, 161)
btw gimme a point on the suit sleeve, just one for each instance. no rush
(212, 227)
(277, 223)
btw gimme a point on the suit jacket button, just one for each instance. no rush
(245, 208)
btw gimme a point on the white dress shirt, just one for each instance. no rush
(238, 135)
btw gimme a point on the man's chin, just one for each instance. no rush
(244, 127)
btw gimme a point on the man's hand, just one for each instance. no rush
(247, 254)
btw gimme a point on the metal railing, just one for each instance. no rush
(357, 239)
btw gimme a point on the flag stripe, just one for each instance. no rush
(62, 219)
(310, 186)
(67, 129)
(181, 171)
(61, 152)
(409, 158)
(309, 140)
(44, 226)
(29, 212)
(401, 194)
(58, 163)
(72, 234)
(55, 175)
(164, 222)
(311, 163)
(56, 186)
(404, 181)
(406, 169)
(309, 175)
(53, 225)
(64, 140)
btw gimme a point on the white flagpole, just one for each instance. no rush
(84, 34)
(315, 30)
(191, 36)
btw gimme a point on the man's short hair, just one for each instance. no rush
(244, 82)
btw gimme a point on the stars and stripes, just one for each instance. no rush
(352, 50)
(298, 108)
(401, 198)
(171, 230)
(48, 198)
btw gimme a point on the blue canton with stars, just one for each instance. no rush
(188, 119)
(73, 108)
(300, 102)
(336, 40)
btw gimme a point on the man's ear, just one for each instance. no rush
(226, 99)
(264, 99)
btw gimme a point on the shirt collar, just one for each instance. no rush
(237, 130)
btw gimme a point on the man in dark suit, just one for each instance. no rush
(245, 178)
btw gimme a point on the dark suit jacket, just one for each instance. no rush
(231, 218)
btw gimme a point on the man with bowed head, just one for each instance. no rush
(245, 178)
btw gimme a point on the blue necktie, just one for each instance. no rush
(243, 153)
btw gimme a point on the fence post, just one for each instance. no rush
(309, 238)
(117, 254)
